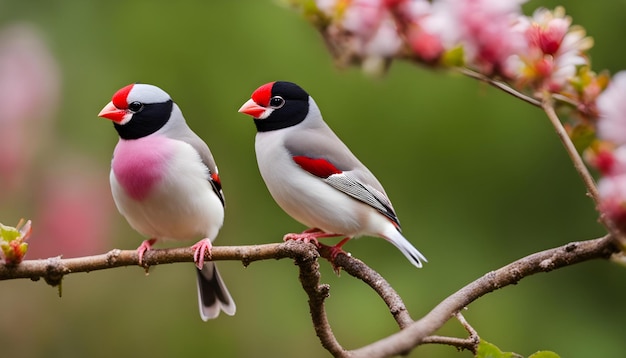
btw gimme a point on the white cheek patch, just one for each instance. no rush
(266, 113)
(127, 117)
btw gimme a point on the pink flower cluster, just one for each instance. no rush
(490, 36)
(541, 54)
(484, 29)
(553, 50)
(610, 159)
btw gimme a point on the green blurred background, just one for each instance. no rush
(478, 179)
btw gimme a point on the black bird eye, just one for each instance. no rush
(277, 102)
(135, 106)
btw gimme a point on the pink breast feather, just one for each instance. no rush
(139, 164)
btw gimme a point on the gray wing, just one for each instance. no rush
(350, 185)
(353, 178)
(207, 159)
(177, 128)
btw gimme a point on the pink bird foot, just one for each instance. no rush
(145, 246)
(336, 249)
(200, 249)
(333, 252)
(308, 236)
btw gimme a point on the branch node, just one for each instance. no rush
(547, 264)
(54, 271)
(473, 339)
(112, 256)
(245, 258)
(323, 290)
(571, 247)
(491, 278)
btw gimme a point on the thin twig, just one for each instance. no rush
(459, 343)
(579, 165)
(548, 106)
(470, 343)
(499, 85)
(473, 334)
(581, 169)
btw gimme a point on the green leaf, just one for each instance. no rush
(8, 233)
(488, 350)
(544, 354)
(12, 245)
(582, 135)
(454, 57)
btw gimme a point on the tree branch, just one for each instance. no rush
(310, 280)
(55, 268)
(543, 261)
(305, 257)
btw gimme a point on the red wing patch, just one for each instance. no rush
(317, 166)
(216, 179)
(216, 183)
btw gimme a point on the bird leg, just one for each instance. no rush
(145, 246)
(333, 251)
(336, 249)
(200, 249)
(308, 236)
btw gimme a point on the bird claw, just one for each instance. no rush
(303, 237)
(145, 246)
(308, 236)
(334, 251)
(200, 250)
(311, 236)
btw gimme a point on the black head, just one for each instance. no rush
(277, 105)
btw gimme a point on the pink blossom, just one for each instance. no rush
(611, 106)
(482, 27)
(554, 50)
(612, 110)
(410, 16)
(425, 45)
(612, 190)
(371, 29)
(610, 161)
(385, 41)
(548, 34)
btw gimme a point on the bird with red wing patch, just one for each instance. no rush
(299, 158)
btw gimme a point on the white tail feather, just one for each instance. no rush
(412, 254)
